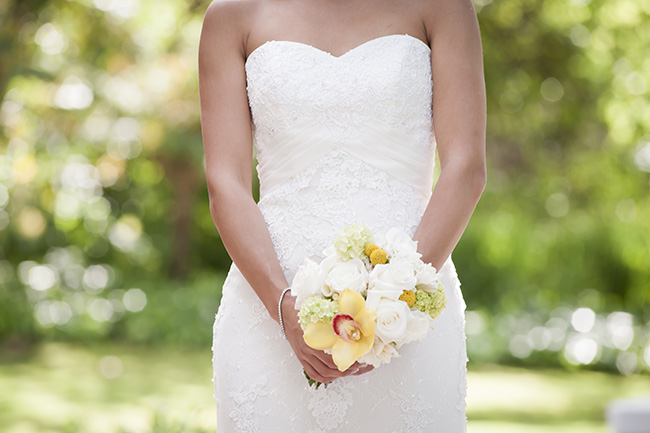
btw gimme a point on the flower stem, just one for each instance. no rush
(313, 382)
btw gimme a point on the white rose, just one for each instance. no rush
(324, 268)
(330, 253)
(399, 245)
(418, 325)
(375, 296)
(379, 353)
(304, 284)
(428, 279)
(351, 274)
(388, 281)
(392, 321)
(397, 274)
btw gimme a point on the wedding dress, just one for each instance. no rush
(339, 140)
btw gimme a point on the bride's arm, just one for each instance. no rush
(459, 112)
(227, 141)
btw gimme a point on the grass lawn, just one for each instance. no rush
(123, 389)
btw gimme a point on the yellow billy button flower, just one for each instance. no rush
(370, 248)
(378, 257)
(349, 335)
(408, 296)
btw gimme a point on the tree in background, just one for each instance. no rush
(103, 208)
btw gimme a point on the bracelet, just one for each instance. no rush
(280, 311)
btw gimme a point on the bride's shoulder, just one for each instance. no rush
(222, 12)
(446, 16)
(441, 11)
(227, 25)
(231, 15)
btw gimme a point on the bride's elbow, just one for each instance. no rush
(224, 192)
(474, 182)
(468, 174)
(478, 179)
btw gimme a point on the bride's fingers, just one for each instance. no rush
(326, 373)
(355, 369)
(325, 358)
(358, 368)
(312, 373)
(363, 369)
(312, 357)
(323, 368)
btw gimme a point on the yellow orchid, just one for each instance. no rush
(349, 335)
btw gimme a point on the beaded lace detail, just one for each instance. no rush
(259, 383)
(416, 411)
(288, 81)
(305, 214)
(330, 405)
(243, 414)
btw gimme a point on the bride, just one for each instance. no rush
(340, 99)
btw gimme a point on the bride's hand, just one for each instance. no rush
(318, 364)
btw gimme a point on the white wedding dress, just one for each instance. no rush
(339, 140)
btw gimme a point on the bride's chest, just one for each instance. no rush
(390, 72)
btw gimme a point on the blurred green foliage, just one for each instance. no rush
(565, 218)
(105, 227)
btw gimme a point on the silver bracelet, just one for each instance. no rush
(280, 311)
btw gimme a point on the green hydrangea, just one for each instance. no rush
(430, 303)
(317, 309)
(351, 241)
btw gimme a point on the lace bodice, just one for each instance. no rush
(340, 139)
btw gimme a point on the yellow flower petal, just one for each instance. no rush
(320, 335)
(350, 302)
(344, 354)
(364, 344)
(366, 319)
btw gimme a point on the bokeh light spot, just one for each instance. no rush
(620, 329)
(111, 367)
(557, 205)
(24, 169)
(581, 349)
(4, 196)
(552, 90)
(50, 39)
(580, 36)
(635, 84)
(134, 300)
(126, 232)
(474, 323)
(642, 156)
(583, 319)
(626, 362)
(31, 223)
(96, 278)
(42, 277)
(73, 94)
(101, 310)
(520, 346)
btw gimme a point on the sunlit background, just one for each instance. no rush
(111, 268)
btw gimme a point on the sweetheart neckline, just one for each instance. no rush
(351, 50)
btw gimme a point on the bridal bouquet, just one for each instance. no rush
(367, 297)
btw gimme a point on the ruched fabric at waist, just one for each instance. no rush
(377, 144)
